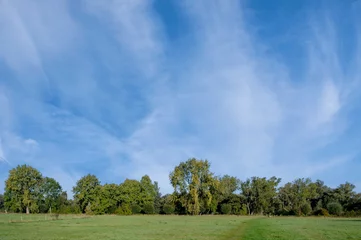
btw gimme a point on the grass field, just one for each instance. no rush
(16, 226)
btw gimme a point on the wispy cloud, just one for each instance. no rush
(97, 87)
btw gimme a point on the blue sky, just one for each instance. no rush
(131, 87)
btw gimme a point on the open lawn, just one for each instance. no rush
(16, 226)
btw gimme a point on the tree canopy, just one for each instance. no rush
(196, 190)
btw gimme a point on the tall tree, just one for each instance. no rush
(193, 182)
(294, 196)
(22, 189)
(50, 191)
(259, 194)
(86, 190)
(1, 202)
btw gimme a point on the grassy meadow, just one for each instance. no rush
(21, 227)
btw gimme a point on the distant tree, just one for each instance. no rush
(107, 199)
(50, 192)
(123, 209)
(306, 208)
(136, 209)
(168, 208)
(86, 191)
(157, 199)
(148, 191)
(334, 208)
(193, 182)
(296, 194)
(22, 189)
(1, 202)
(148, 208)
(226, 209)
(259, 194)
(130, 193)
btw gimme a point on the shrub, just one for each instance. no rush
(306, 209)
(226, 208)
(334, 208)
(88, 209)
(124, 209)
(136, 209)
(168, 209)
(321, 212)
(148, 208)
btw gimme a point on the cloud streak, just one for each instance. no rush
(99, 87)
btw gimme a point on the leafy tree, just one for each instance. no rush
(193, 182)
(130, 192)
(294, 195)
(334, 208)
(1, 202)
(51, 192)
(226, 208)
(168, 208)
(136, 209)
(259, 194)
(306, 208)
(148, 191)
(107, 199)
(22, 189)
(148, 208)
(157, 199)
(86, 191)
(123, 209)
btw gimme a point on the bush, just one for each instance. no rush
(306, 209)
(124, 209)
(321, 212)
(334, 208)
(88, 210)
(168, 209)
(136, 209)
(226, 209)
(148, 208)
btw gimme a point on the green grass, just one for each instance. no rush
(21, 227)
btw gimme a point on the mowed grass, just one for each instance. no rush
(21, 227)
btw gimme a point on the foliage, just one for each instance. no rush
(136, 209)
(226, 208)
(306, 208)
(86, 190)
(334, 208)
(1, 202)
(148, 208)
(321, 212)
(196, 191)
(259, 194)
(23, 189)
(193, 183)
(124, 209)
(168, 209)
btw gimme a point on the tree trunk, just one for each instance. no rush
(27, 210)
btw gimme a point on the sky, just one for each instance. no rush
(124, 88)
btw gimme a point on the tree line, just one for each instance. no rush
(196, 191)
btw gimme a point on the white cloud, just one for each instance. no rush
(224, 99)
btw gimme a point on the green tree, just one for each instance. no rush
(50, 192)
(157, 199)
(86, 191)
(193, 183)
(259, 194)
(130, 193)
(148, 191)
(294, 195)
(334, 208)
(1, 202)
(22, 189)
